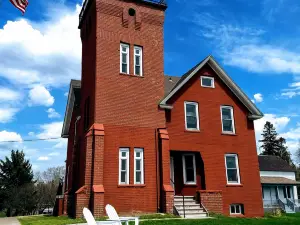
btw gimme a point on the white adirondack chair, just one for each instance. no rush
(91, 220)
(113, 216)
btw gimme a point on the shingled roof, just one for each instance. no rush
(273, 163)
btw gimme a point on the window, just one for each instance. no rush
(227, 119)
(138, 166)
(189, 168)
(124, 58)
(236, 209)
(191, 116)
(232, 169)
(87, 113)
(124, 166)
(138, 61)
(207, 82)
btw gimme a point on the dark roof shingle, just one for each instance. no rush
(273, 163)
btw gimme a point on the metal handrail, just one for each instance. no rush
(183, 205)
(201, 204)
(290, 204)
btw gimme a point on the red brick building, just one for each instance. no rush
(136, 136)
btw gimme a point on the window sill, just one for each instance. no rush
(131, 75)
(234, 185)
(192, 131)
(131, 185)
(190, 184)
(230, 134)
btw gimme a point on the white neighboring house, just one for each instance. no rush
(279, 185)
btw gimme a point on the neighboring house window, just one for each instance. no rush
(191, 116)
(189, 168)
(138, 166)
(207, 82)
(227, 119)
(124, 58)
(87, 113)
(138, 61)
(232, 169)
(236, 209)
(288, 190)
(124, 166)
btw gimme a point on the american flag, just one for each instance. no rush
(20, 4)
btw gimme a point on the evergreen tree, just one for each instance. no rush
(269, 140)
(297, 155)
(15, 176)
(282, 151)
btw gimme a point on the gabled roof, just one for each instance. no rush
(74, 90)
(170, 82)
(255, 113)
(278, 180)
(273, 163)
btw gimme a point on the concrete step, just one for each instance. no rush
(186, 204)
(195, 216)
(191, 212)
(185, 200)
(188, 207)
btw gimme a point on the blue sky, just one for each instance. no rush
(256, 42)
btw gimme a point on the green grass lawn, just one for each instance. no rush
(2, 214)
(283, 220)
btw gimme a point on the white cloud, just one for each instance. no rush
(66, 94)
(10, 136)
(43, 158)
(31, 133)
(50, 130)
(258, 97)
(54, 154)
(39, 95)
(7, 94)
(52, 113)
(7, 114)
(46, 52)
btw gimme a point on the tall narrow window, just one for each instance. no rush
(124, 166)
(232, 169)
(189, 168)
(138, 61)
(191, 116)
(227, 119)
(124, 58)
(138, 166)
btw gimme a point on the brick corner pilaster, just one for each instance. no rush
(82, 200)
(168, 198)
(98, 200)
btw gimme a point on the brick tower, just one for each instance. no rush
(122, 83)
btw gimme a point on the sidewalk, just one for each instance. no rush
(9, 221)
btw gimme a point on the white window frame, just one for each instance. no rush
(232, 119)
(122, 45)
(197, 115)
(184, 169)
(235, 207)
(141, 151)
(210, 78)
(141, 60)
(127, 165)
(238, 170)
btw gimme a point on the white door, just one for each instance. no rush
(172, 171)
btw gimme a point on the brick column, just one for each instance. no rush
(168, 191)
(212, 201)
(82, 200)
(98, 167)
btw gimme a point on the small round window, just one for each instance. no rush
(131, 12)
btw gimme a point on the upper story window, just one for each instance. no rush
(232, 169)
(191, 116)
(124, 58)
(227, 119)
(138, 166)
(138, 61)
(207, 82)
(124, 166)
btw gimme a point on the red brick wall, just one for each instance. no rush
(213, 145)
(212, 201)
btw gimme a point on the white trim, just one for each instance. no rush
(235, 207)
(232, 119)
(140, 150)
(237, 168)
(172, 171)
(122, 45)
(197, 114)
(127, 164)
(141, 60)
(210, 78)
(255, 113)
(184, 169)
